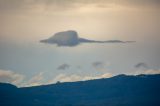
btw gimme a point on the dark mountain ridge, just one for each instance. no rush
(121, 90)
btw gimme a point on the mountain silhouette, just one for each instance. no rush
(121, 90)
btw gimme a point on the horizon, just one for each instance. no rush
(58, 82)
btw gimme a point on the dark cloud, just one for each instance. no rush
(63, 67)
(98, 64)
(141, 65)
(70, 38)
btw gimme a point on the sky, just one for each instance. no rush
(25, 61)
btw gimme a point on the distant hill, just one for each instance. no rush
(121, 90)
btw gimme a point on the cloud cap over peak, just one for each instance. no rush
(70, 38)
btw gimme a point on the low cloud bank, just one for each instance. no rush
(74, 77)
(40, 78)
(8, 76)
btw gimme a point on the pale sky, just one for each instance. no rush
(26, 62)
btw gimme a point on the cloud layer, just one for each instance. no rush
(36, 80)
(10, 77)
(39, 79)
(70, 4)
(70, 38)
(149, 71)
(74, 77)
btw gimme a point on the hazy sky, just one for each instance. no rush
(26, 62)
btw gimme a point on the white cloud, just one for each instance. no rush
(74, 77)
(17, 79)
(66, 78)
(39, 79)
(106, 75)
(8, 76)
(36, 80)
(149, 71)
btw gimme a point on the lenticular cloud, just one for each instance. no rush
(70, 38)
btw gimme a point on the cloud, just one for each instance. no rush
(99, 65)
(105, 75)
(63, 67)
(141, 65)
(40, 79)
(66, 78)
(18, 79)
(70, 38)
(143, 68)
(149, 71)
(71, 78)
(7, 76)
(63, 5)
(36, 80)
